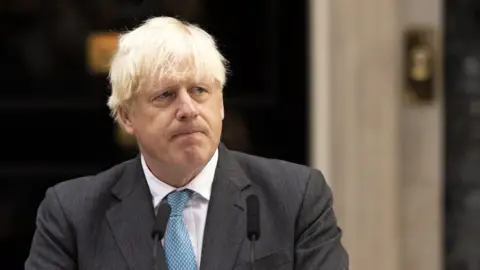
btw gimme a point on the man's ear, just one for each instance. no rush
(124, 115)
(222, 111)
(222, 106)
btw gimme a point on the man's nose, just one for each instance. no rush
(187, 107)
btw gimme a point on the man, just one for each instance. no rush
(167, 79)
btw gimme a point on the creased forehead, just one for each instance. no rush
(180, 79)
(187, 70)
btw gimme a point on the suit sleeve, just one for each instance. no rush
(53, 245)
(318, 238)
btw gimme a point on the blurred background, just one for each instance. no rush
(382, 95)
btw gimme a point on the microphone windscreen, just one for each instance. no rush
(253, 217)
(161, 220)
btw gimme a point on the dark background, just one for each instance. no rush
(56, 123)
(462, 105)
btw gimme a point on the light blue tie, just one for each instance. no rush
(178, 247)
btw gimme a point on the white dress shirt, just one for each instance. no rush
(195, 212)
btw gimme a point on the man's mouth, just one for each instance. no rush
(186, 133)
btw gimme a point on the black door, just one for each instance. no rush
(58, 126)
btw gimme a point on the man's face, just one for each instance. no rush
(177, 123)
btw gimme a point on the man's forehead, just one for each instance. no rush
(182, 79)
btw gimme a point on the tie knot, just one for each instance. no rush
(178, 200)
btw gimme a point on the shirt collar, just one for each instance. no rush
(201, 184)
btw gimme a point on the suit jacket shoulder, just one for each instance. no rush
(272, 167)
(80, 193)
(287, 180)
(92, 221)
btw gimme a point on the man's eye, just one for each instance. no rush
(165, 94)
(199, 90)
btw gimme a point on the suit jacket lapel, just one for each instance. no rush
(225, 227)
(132, 218)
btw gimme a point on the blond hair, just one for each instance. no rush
(162, 47)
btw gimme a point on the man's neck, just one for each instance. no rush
(175, 176)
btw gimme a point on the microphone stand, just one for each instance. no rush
(252, 251)
(253, 225)
(156, 265)
(158, 231)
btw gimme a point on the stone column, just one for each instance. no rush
(381, 156)
(365, 90)
(422, 155)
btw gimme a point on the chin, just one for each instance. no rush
(194, 154)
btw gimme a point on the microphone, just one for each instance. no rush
(253, 225)
(158, 231)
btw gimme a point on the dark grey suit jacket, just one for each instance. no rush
(104, 221)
